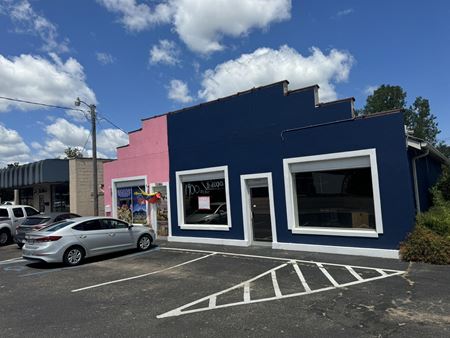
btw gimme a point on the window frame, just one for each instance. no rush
(335, 161)
(182, 177)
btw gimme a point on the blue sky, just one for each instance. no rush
(137, 58)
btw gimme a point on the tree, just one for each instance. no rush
(444, 149)
(420, 119)
(418, 116)
(72, 153)
(385, 97)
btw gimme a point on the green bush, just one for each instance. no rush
(423, 245)
(443, 183)
(436, 219)
(430, 240)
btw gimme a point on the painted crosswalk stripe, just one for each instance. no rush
(354, 273)
(276, 287)
(327, 274)
(301, 277)
(246, 292)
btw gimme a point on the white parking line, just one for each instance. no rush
(12, 260)
(273, 258)
(301, 277)
(143, 275)
(325, 272)
(276, 287)
(182, 310)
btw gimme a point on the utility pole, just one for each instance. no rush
(93, 113)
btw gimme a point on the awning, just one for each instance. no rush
(45, 171)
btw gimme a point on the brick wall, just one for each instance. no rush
(81, 186)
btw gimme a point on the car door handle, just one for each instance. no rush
(83, 236)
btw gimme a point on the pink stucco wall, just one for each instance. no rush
(146, 155)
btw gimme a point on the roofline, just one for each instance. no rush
(381, 113)
(320, 104)
(426, 145)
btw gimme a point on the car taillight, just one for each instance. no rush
(48, 239)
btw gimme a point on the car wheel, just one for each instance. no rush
(20, 245)
(73, 256)
(144, 242)
(5, 237)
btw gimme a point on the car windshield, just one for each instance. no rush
(35, 220)
(57, 226)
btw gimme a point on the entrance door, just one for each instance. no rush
(260, 214)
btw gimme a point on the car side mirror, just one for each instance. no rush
(130, 226)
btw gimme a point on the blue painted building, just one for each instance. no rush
(278, 166)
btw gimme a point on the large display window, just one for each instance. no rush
(334, 194)
(202, 199)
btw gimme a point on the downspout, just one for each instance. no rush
(416, 184)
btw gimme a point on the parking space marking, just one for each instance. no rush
(225, 253)
(325, 272)
(12, 260)
(292, 264)
(143, 275)
(276, 287)
(301, 277)
(353, 272)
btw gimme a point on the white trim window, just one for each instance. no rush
(203, 200)
(334, 194)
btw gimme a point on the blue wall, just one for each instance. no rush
(244, 133)
(428, 171)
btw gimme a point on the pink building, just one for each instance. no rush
(141, 166)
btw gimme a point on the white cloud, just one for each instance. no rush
(137, 17)
(345, 12)
(35, 78)
(62, 134)
(105, 58)
(200, 24)
(266, 65)
(109, 139)
(12, 147)
(29, 22)
(370, 89)
(178, 91)
(165, 52)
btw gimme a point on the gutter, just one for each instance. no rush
(416, 184)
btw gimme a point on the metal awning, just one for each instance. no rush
(45, 171)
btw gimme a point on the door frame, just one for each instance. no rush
(246, 200)
(153, 207)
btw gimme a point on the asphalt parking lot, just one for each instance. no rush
(180, 290)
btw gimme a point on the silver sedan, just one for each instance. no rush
(73, 240)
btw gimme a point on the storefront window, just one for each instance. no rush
(60, 198)
(205, 202)
(334, 194)
(26, 196)
(335, 198)
(202, 199)
(131, 205)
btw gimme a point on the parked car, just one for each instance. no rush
(9, 203)
(71, 241)
(37, 222)
(11, 216)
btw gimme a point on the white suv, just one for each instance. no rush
(11, 216)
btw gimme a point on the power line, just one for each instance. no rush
(40, 104)
(103, 117)
(62, 107)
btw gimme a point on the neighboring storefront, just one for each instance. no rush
(136, 183)
(53, 185)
